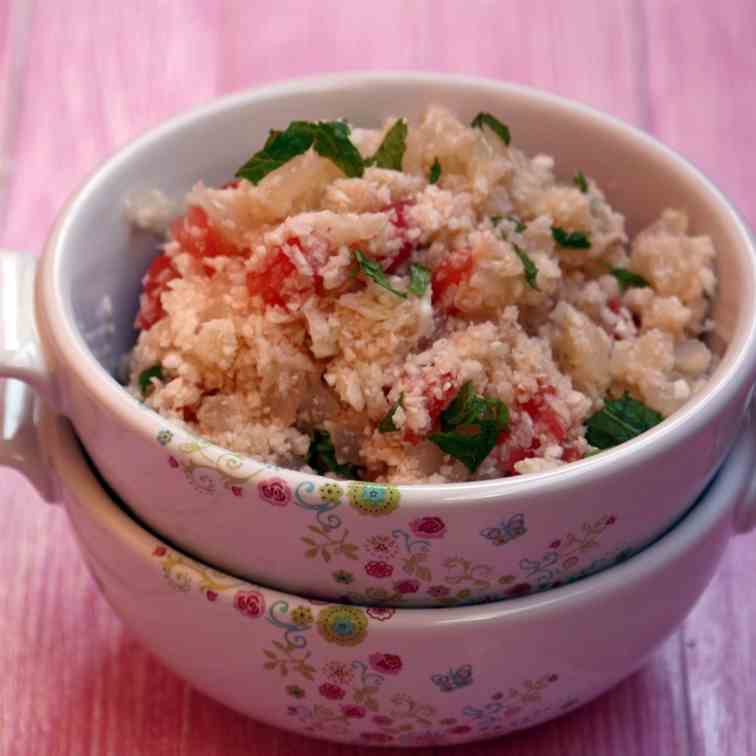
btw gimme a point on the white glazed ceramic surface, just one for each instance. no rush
(395, 676)
(410, 545)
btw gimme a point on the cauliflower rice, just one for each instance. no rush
(314, 316)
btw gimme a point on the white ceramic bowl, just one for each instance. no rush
(395, 676)
(446, 544)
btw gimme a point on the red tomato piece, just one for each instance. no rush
(451, 272)
(154, 283)
(199, 237)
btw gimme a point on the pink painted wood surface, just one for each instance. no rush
(79, 79)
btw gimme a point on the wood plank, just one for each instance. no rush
(701, 85)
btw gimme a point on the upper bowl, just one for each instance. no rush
(407, 545)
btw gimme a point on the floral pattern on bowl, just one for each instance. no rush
(356, 543)
(332, 688)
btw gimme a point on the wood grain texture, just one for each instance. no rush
(79, 79)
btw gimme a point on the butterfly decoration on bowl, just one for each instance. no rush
(507, 531)
(456, 678)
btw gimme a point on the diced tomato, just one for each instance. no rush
(231, 184)
(436, 403)
(571, 454)
(408, 247)
(451, 272)
(154, 283)
(540, 411)
(199, 237)
(614, 304)
(276, 284)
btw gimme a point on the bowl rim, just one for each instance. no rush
(75, 475)
(738, 376)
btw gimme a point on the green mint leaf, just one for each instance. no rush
(321, 456)
(146, 376)
(330, 139)
(626, 278)
(280, 147)
(391, 152)
(435, 172)
(332, 142)
(500, 129)
(470, 426)
(471, 450)
(387, 423)
(619, 421)
(373, 270)
(571, 240)
(581, 182)
(519, 225)
(530, 268)
(420, 278)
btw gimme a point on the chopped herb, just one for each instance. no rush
(321, 456)
(420, 278)
(470, 427)
(572, 239)
(530, 268)
(330, 139)
(619, 421)
(435, 172)
(500, 129)
(332, 142)
(373, 270)
(626, 278)
(581, 182)
(391, 152)
(387, 424)
(518, 224)
(146, 376)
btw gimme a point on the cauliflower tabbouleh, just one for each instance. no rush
(417, 304)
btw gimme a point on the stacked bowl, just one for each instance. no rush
(341, 609)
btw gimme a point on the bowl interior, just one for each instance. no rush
(101, 259)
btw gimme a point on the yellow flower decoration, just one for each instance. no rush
(331, 492)
(343, 625)
(302, 615)
(372, 499)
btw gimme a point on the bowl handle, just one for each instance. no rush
(21, 358)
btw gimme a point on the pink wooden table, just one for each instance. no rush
(81, 78)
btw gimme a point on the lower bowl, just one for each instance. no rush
(394, 676)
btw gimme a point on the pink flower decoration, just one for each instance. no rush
(428, 527)
(236, 490)
(276, 491)
(173, 462)
(389, 664)
(331, 691)
(407, 586)
(379, 569)
(612, 519)
(353, 711)
(159, 551)
(460, 730)
(381, 613)
(211, 595)
(250, 603)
